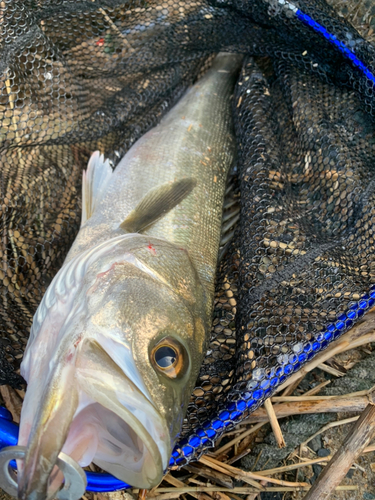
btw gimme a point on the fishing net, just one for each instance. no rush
(77, 76)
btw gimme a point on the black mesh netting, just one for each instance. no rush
(77, 76)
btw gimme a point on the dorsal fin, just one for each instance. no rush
(156, 203)
(94, 183)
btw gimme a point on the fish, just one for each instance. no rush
(117, 342)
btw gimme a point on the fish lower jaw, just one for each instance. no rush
(134, 451)
(140, 464)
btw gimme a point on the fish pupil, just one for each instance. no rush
(165, 356)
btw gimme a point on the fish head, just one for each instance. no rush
(115, 387)
(147, 327)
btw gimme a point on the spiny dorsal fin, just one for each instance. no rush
(94, 183)
(156, 203)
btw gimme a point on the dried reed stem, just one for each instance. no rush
(247, 476)
(179, 484)
(235, 440)
(330, 370)
(239, 490)
(295, 407)
(330, 426)
(274, 424)
(316, 389)
(354, 444)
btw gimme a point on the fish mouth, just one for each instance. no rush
(125, 440)
(113, 424)
(116, 425)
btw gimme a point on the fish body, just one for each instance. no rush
(118, 340)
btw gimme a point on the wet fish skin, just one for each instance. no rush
(94, 389)
(195, 139)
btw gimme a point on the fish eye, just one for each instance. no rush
(165, 356)
(169, 357)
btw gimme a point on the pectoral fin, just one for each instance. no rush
(94, 182)
(157, 203)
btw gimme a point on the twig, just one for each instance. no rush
(266, 473)
(295, 407)
(330, 370)
(305, 463)
(211, 475)
(315, 389)
(353, 445)
(168, 496)
(274, 424)
(304, 397)
(292, 387)
(193, 480)
(246, 476)
(142, 494)
(236, 497)
(243, 453)
(242, 490)
(179, 484)
(299, 465)
(235, 440)
(330, 426)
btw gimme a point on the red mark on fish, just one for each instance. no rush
(71, 353)
(99, 278)
(151, 248)
(77, 342)
(70, 356)
(102, 274)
